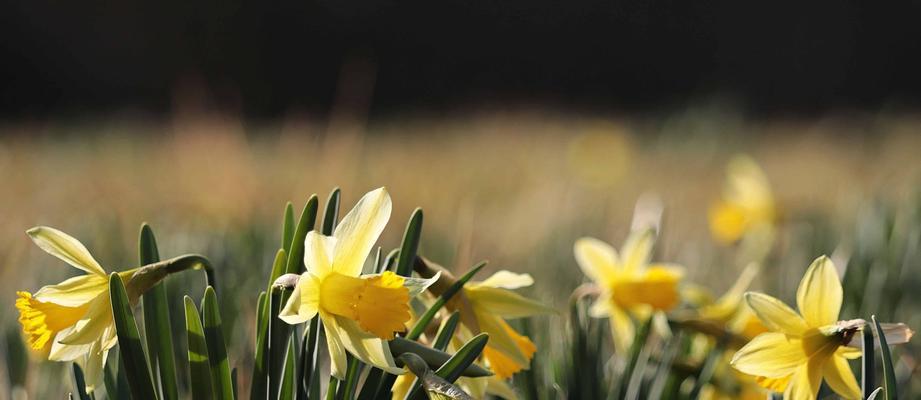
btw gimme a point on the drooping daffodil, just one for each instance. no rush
(72, 321)
(747, 204)
(630, 287)
(359, 312)
(805, 347)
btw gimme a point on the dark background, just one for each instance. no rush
(265, 58)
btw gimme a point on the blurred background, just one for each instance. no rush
(518, 127)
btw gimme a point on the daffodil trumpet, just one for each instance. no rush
(72, 321)
(360, 313)
(801, 349)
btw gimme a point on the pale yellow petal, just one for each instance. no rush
(819, 294)
(64, 352)
(505, 303)
(840, 378)
(805, 382)
(475, 387)
(601, 308)
(92, 366)
(499, 338)
(338, 363)
(775, 315)
(93, 324)
(66, 248)
(622, 329)
(365, 346)
(73, 292)
(499, 387)
(771, 354)
(597, 259)
(637, 249)
(318, 253)
(359, 230)
(505, 280)
(304, 302)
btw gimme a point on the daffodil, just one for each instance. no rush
(630, 287)
(747, 204)
(805, 347)
(359, 313)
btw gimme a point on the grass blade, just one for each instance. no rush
(217, 350)
(868, 363)
(305, 224)
(287, 232)
(279, 334)
(331, 212)
(257, 388)
(287, 382)
(199, 365)
(410, 244)
(348, 387)
(446, 332)
(457, 364)
(889, 385)
(157, 326)
(134, 361)
(79, 383)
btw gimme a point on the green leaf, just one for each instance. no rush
(446, 332)
(347, 387)
(436, 387)
(287, 232)
(874, 394)
(287, 382)
(199, 364)
(889, 384)
(309, 379)
(432, 357)
(79, 383)
(426, 318)
(868, 362)
(260, 362)
(457, 364)
(217, 350)
(410, 244)
(129, 342)
(331, 212)
(372, 383)
(279, 335)
(279, 267)
(305, 224)
(157, 326)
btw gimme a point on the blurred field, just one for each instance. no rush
(514, 188)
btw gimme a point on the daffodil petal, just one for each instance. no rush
(66, 248)
(359, 230)
(415, 285)
(505, 280)
(475, 387)
(304, 302)
(601, 308)
(93, 324)
(338, 363)
(499, 338)
(401, 386)
(597, 259)
(805, 382)
(840, 378)
(73, 292)
(365, 346)
(65, 352)
(505, 303)
(771, 354)
(318, 253)
(622, 329)
(637, 249)
(92, 365)
(775, 315)
(849, 353)
(820, 294)
(498, 387)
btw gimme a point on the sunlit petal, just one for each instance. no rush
(318, 253)
(775, 315)
(840, 378)
(637, 249)
(622, 329)
(66, 248)
(74, 292)
(499, 337)
(304, 302)
(819, 294)
(805, 382)
(93, 324)
(505, 280)
(505, 303)
(359, 230)
(338, 363)
(365, 346)
(770, 354)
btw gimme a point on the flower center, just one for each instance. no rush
(379, 304)
(818, 342)
(42, 321)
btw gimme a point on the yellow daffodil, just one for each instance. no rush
(630, 287)
(803, 348)
(359, 313)
(70, 321)
(747, 204)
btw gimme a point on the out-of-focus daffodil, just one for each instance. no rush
(359, 313)
(803, 348)
(630, 286)
(747, 204)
